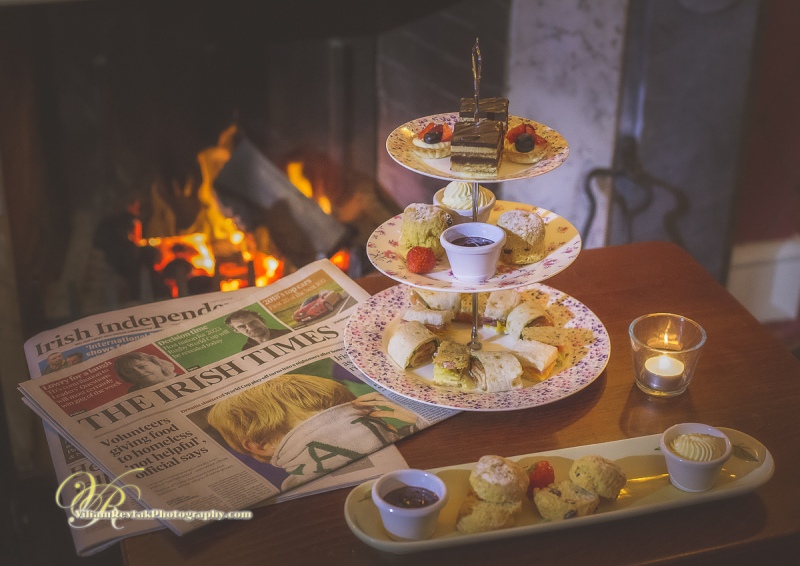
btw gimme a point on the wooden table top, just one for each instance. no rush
(745, 380)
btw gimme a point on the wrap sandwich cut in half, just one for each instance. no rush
(496, 371)
(529, 313)
(412, 345)
(435, 300)
(537, 358)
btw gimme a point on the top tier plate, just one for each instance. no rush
(399, 146)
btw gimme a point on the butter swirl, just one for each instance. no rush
(698, 447)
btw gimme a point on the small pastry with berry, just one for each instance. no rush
(433, 142)
(524, 145)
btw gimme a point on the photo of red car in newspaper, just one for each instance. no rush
(317, 305)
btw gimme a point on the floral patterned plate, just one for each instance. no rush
(399, 146)
(586, 354)
(562, 242)
(648, 490)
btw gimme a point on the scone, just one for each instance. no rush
(422, 226)
(565, 501)
(476, 515)
(598, 475)
(499, 480)
(524, 237)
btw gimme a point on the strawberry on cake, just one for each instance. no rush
(524, 145)
(433, 142)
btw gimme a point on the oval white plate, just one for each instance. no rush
(648, 490)
(399, 146)
(368, 331)
(562, 243)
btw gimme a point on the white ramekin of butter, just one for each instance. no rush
(695, 454)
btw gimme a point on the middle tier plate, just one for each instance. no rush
(586, 351)
(562, 244)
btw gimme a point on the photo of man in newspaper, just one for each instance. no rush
(141, 369)
(307, 425)
(53, 363)
(254, 326)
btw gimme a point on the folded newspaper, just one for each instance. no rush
(219, 402)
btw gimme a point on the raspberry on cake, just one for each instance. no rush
(433, 142)
(523, 145)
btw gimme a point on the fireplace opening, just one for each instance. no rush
(182, 148)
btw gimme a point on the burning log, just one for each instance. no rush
(258, 192)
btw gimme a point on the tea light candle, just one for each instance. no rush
(663, 372)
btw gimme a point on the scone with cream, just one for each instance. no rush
(498, 488)
(524, 237)
(598, 475)
(499, 480)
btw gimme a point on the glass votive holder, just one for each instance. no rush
(665, 349)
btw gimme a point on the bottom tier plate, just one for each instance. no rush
(588, 348)
(648, 490)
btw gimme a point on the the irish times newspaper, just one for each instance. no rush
(219, 402)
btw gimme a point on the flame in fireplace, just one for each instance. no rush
(214, 247)
(294, 171)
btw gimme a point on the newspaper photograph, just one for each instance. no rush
(223, 403)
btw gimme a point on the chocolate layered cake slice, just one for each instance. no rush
(488, 109)
(476, 147)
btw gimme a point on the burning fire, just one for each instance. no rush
(214, 246)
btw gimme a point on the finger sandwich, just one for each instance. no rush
(436, 300)
(434, 320)
(412, 345)
(495, 371)
(537, 359)
(451, 365)
(528, 313)
(498, 305)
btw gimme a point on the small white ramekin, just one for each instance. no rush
(473, 264)
(691, 475)
(404, 523)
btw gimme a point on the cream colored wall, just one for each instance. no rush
(765, 277)
(565, 59)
